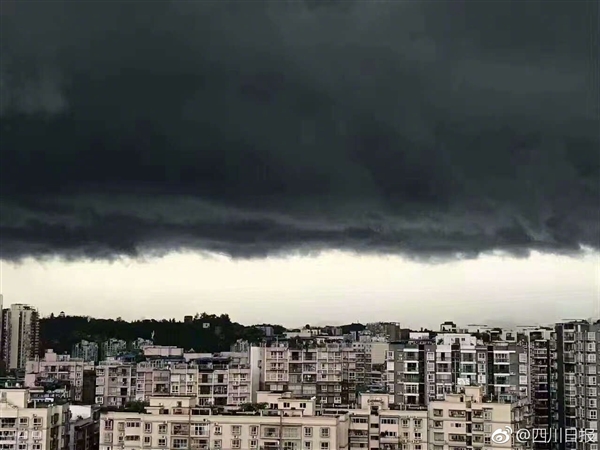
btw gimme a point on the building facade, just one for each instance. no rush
(26, 424)
(59, 368)
(20, 335)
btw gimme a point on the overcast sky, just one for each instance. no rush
(430, 131)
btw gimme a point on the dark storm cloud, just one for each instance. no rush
(254, 128)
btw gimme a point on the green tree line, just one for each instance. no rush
(60, 333)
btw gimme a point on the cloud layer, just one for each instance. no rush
(253, 128)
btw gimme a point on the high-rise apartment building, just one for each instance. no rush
(575, 380)
(20, 335)
(422, 369)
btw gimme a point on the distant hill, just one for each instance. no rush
(61, 333)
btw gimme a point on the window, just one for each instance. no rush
(480, 356)
(218, 444)
(418, 423)
(286, 405)
(162, 428)
(324, 445)
(308, 432)
(132, 424)
(303, 405)
(180, 443)
(162, 442)
(218, 430)
(592, 403)
(591, 336)
(523, 369)
(523, 379)
(417, 435)
(591, 370)
(147, 427)
(592, 391)
(23, 420)
(148, 440)
(438, 413)
(592, 381)
(405, 423)
(307, 445)
(359, 420)
(591, 358)
(431, 367)
(253, 431)
(37, 421)
(236, 430)
(389, 421)
(430, 357)
(236, 443)
(487, 440)
(487, 428)
(522, 357)
(487, 415)
(253, 443)
(324, 433)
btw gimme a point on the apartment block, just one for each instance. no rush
(381, 425)
(214, 380)
(86, 350)
(176, 423)
(84, 427)
(541, 344)
(327, 368)
(575, 380)
(113, 348)
(59, 368)
(424, 368)
(115, 383)
(26, 424)
(20, 335)
(467, 421)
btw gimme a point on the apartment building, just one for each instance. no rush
(60, 368)
(466, 420)
(423, 368)
(116, 383)
(176, 423)
(113, 348)
(214, 380)
(20, 335)
(377, 424)
(84, 427)
(575, 380)
(541, 345)
(26, 424)
(86, 350)
(328, 368)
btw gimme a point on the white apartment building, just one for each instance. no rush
(223, 380)
(59, 368)
(115, 383)
(20, 335)
(465, 420)
(28, 425)
(175, 423)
